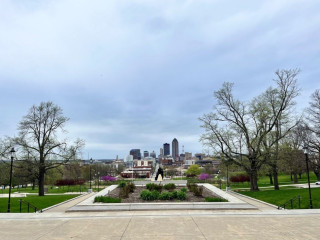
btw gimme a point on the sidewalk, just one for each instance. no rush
(265, 223)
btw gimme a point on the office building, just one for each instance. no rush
(175, 149)
(166, 149)
(135, 153)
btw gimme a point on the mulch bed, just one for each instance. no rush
(135, 196)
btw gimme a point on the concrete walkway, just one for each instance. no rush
(64, 206)
(265, 223)
(262, 206)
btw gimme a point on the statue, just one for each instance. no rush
(159, 172)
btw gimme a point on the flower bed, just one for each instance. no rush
(164, 196)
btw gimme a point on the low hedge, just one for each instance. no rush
(153, 186)
(215, 199)
(155, 195)
(105, 199)
(169, 186)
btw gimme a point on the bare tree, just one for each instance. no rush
(313, 131)
(238, 130)
(39, 139)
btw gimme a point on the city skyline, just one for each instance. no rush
(137, 74)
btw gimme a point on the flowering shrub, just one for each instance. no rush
(240, 178)
(108, 178)
(204, 176)
(69, 182)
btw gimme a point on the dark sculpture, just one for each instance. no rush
(160, 171)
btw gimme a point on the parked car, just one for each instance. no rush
(317, 182)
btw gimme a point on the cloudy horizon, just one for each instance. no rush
(139, 74)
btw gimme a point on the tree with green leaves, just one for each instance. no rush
(193, 170)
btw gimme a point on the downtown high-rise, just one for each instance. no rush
(175, 149)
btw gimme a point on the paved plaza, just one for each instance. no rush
(264, 223)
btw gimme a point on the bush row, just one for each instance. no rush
(156, 195)
(240, 178)
(106, 199)
(69, 182)
(215, 199)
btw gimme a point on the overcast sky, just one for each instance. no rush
(138, 73)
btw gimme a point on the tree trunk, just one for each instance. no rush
(254, 180)
(295, 178)
(270, 177)
(291, 177)
(33, 183)
(300, 175)
(317, 173)
(275, 176)
(41, 180)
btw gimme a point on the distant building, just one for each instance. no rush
(188, 156)
(166, 161)
(129, 158)
(153, 154)
(166, 149)
(145, 154)
(161, 151)
(175, 149)
(188, 163)
(117, 163)
(200, 156)
(135, 153)
(129, 161)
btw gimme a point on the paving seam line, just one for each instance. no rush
(58, 204)
(254, 199)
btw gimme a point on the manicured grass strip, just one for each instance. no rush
(280, 197)
(62, 189)
(39, 202)
(104, 199)
(215, 199)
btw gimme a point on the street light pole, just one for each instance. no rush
(12, 156)
(91, 161)
(305, 149)
(227, 188)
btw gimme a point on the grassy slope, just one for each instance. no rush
(282, 196)
(39, 202)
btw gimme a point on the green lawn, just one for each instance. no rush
(284, 179)
(284, 195)
(53, 189)
(39, 202)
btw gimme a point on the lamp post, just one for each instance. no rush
(228, 187)
(305, 150)
(91, 161)
(12, 156)
(98, 181)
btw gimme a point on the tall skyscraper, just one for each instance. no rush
(135, 153)
(145, 154)
(175, 149)
(166, 149)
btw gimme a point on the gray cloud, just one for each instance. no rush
(137, 74)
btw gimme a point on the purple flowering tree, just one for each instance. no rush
(204, 176)
(108, 178)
